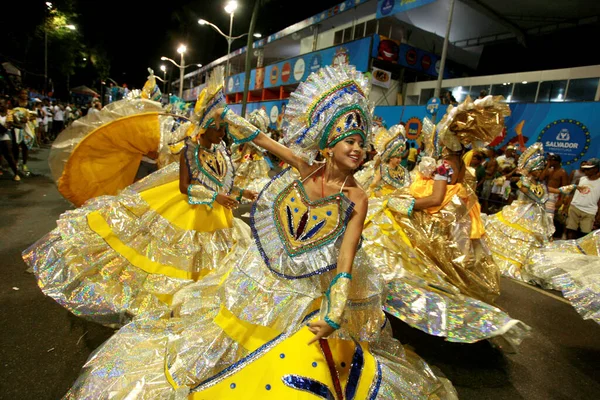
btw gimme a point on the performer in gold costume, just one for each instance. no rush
(385, 174)
(426, 238)
(124, 255)
(251, 168)
(243, 333)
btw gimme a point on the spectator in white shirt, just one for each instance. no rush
(584, 206)
(58, 119)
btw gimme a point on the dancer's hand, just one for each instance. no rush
(321, 329)
(226, 201)
(250, 195)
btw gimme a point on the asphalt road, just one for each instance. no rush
(42, 346)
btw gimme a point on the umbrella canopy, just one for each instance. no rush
(84, 90)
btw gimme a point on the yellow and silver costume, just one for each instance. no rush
(440, 275)
(241, 333)
(523, 226)
(573, 267)
(120, 256)
(99, 154)
(378, 175)
(252, 170)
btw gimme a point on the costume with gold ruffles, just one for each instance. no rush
(252, 170)
(125, 255)
(440, 274)
(100, 153)
(573, 267)
(523, 226)
(241, 333)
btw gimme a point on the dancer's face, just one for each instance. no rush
(349, 153)
(214, 136)
(394, 161)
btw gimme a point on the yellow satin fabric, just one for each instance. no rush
(107, 159)
(421, 188)
(262, 376)
(169, 202)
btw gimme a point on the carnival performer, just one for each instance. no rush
(426, 238)
(252, 170)
(244, 333)
(525, 225)
(125, 255)
(100, 153)
(388, 175)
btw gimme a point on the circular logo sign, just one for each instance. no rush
(386, 7)
(437, 66)
(286, 71)
(568, 138)
(299, 68)
(426, 62)
(274, 114)
(230, 85)
(413, 128)
(274, 75)
(432, 105)
(411, 57)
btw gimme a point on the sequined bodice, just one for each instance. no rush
(209, 167)
(397, 177)
(295, 235)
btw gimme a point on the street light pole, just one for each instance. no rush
(229, 40)
(181, 69)
(164, 70)
(46, 58)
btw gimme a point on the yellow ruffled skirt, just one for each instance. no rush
(125, 255)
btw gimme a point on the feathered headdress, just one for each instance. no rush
(329, 106)
(210, 97)
(532, 159)
(259, 119)
(472, 122)
(389, 143)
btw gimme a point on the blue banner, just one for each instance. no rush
(297, 69)
(571, 130)
(385, 8)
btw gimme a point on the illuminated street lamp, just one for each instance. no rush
(230, 8)
(181, 50)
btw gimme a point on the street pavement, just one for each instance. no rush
(43, 347)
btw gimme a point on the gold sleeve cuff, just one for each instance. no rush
(402, 205)
(240, 130)
(337, 296)
(198, 194)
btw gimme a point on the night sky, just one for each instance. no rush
(135, 34)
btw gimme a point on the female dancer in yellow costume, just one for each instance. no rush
(252, 171)
(520, 239)
(425, 238)
(124, 255)
(243, 333)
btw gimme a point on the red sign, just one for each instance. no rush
(426, 62)
(274, 75)
(285, 72)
